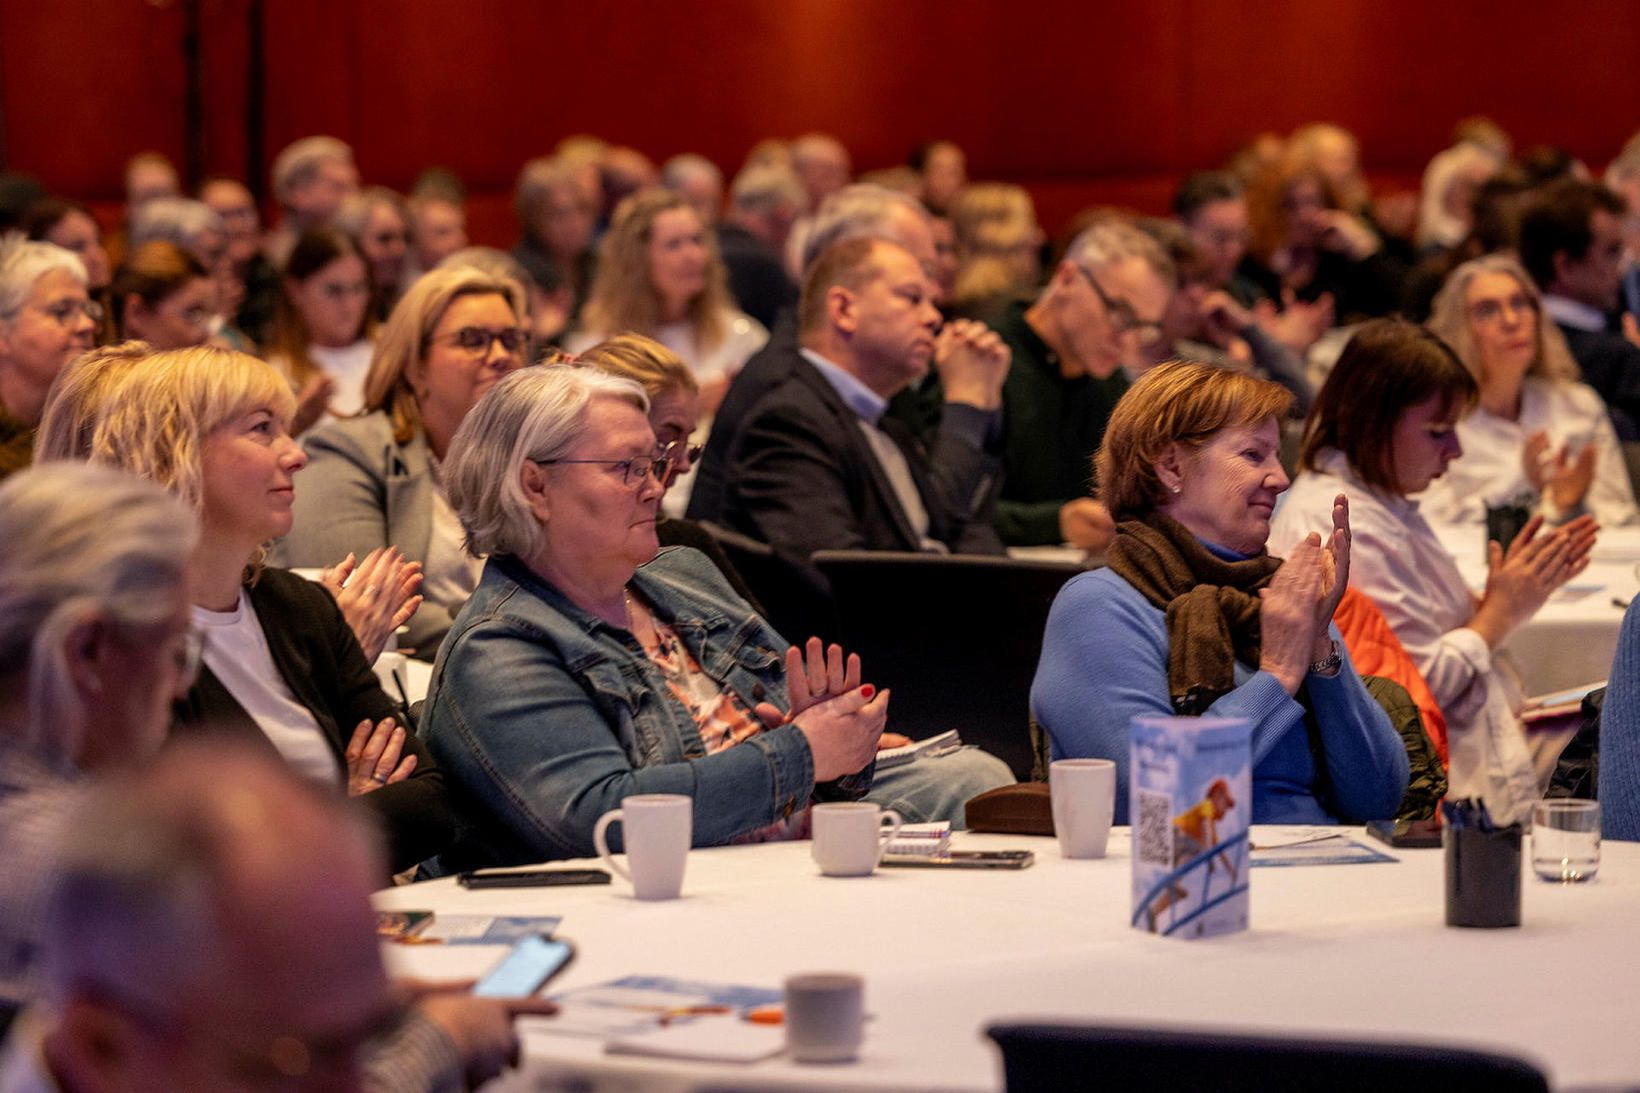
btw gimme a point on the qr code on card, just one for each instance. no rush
(1155, 827)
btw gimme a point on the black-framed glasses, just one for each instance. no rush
(690, 452)
(1121, 314)
(478, 339)
(633, 470)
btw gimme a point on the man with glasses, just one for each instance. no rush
(46, 320)
(1104, 300)
(210, 928)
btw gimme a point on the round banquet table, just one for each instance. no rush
(1342, 951)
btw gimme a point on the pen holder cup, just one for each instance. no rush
(1483, 870)
(1504, 522)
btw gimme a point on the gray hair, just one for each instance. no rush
(680, 168)
(81, 540)
(1114, 240)
(1449, 320)
(300, 161)
(860, 210)
(766, 186)
(176, 220)
(535, 414)
(536, 182)
(356, 208)
(23, 262)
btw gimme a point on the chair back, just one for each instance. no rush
(955, 637)
(1044, 1058)
(793, 601)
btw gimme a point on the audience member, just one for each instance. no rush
(1620, 737)
(544, 313)
(209, 927)
(438, 227)
(69, 423)
(943, 171)
(95, 645)
(70, 225)
(311, 178)
(163, 296)
(1494, 218)
(624, 172)
(322, 331)
(660, 275)
(1537, 436)
(1193, 616)
(376, 220)
(999, 247)
(815, 464)
(149, 175)
(1571, 242)
(1623, 178)
(856, 212)
(1384, 428)
(283, 668)
(257, 278)
(182, 222)
(763, 204)
(46, 320)
(699, 181)
(557, 480)
(1105, 298)
(822, 166)
(378, 481)
(556, 217)
(18, 193)
(1451, 182)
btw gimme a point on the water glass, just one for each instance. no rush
(1566, 840)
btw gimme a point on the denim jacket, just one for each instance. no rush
(547, 717)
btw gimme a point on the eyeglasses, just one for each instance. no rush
(633, 470)
(344, 292)
(690, 452)
(477, 339)
(1490, 311)
(1121, 314)
(65, 310)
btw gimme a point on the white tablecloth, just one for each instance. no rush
(1356, 951)
(1569, 642)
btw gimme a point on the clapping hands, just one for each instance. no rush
(377, 596)
(1300, 600)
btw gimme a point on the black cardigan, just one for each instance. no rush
(322, 664)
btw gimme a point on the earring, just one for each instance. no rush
(1176, 488)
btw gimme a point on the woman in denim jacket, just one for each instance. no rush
(587, 667)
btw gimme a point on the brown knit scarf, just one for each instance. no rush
(1212, 605)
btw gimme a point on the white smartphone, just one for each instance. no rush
(528, 966)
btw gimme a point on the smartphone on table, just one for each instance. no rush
(528, 966)
(962, 859)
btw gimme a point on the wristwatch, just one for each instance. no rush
(1328, 664)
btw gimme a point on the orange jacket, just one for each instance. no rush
(1376, 651)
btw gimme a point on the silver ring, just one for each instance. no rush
(379, 779)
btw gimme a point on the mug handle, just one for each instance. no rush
(895, 820)
(600, 842)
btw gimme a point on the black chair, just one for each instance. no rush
(956, 637)
(793, 603)
(1038, 1058)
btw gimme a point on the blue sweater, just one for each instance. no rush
(1104, 659)
(1620, 737)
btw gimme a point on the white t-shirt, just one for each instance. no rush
(347, 366)
(236, 652)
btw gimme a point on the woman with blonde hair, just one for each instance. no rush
(1193, 616)
(77, 397)
(322, 330)
(660, 275)
(1538, 436)
(999, 244)
(376, 481)
(281, 665)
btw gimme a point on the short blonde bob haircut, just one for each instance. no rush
(1449, 319)
(645, 361)
(1180, 402)
(408, 332)
(154, 421)
(623, 293)
(79, 395)
(533, 415)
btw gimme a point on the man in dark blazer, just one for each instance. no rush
(815, 465)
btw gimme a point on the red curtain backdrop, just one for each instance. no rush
(1081, 101)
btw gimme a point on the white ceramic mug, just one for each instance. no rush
(849, 836)
(655, 828)
(1083, 793)
(825, 1013)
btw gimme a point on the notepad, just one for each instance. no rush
(709, 1039)
(942, 744)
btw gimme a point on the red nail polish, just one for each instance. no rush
(867, 691)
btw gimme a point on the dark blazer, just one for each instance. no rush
(757, 277)
(802, 477)
(322, 664)
(767, 369)
(1611, 365)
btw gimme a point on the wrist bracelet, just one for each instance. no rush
(1328, 664)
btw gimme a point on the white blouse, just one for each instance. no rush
(1491, 470)
(1397, 561)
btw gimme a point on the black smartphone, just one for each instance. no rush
(963, 859)
(530, 878)
(528, 966)
(1406, 834)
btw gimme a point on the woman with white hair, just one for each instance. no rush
(46, 320)
(627, 670)
(378, 480)
(1538, 436)
(1445, 209)
(95, 644)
